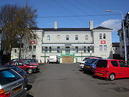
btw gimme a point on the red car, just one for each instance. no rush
(27, 67)
(112, 69)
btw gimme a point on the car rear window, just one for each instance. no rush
(101, 63)
(8, 76)
(114, 63)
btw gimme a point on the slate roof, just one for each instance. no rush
(70, 29)
(115, 44)
(104, 28)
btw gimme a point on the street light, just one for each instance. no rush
(123, 30)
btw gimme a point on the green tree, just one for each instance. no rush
(16, 23)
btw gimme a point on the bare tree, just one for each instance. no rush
(16, 23)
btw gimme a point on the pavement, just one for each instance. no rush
(66, 80)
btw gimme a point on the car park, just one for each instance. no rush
(11, 83)
(112, 69)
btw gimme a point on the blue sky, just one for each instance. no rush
(76, 13)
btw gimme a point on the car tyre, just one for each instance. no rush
(112, 77)
(29, 71)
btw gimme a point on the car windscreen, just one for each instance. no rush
(90, 61)
(101, 64)
(7, 76)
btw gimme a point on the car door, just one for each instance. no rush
(123, 69)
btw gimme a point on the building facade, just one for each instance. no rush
(121, 36)
(69, 44)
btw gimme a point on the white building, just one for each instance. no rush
(69, 44)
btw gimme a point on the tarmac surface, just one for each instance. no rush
(66, 80)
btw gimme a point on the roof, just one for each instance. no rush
(103, 28)
(116, 44)
(71, 29)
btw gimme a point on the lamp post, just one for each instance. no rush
(123, 30)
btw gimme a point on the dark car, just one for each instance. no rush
(11, 83)
(20, 71)
(90, 65)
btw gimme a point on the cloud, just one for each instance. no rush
(114, 24)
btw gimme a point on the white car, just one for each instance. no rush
(53, 59)
(82, 63)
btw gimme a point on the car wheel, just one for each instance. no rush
(29, 71)
(112, 77)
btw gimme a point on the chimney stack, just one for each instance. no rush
(55, 25)
(91, 25)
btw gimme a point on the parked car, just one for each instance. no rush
(11, 83)
(30, 61)
(26, 66)
(90, 65)
(20, 71)
(112, 69)
(85, 60)
(53, 59)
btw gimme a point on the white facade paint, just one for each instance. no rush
(54, 39)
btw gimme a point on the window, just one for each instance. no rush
(114, 63)
(86, 37)
(8, 76)
(88, 49)
(30, 48)
(35, 36)
(50, 49)
(67, 37)
(15, 50)
(100, 36)
(67, 49)
(58, 49)
(76, 49)
(100, 47)
(76, 37)
(84, 49)
(101, 64)
(123, 64)
(58, 36)
(48, 37)
(34, 48)
(46, 49)
(104, 36)
(105, 47)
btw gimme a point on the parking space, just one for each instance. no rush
(66, 80)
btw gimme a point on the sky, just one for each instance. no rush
(77, 13)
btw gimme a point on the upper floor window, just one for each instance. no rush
(104, 36)
(67, 37)
(48, 37)
(100, 47)
(76, 37)
(86, 37)
(30, 48)
(35, 36)
(105, 47)
(34, 48)
(100, 36)
(58, 36)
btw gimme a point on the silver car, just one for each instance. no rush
(11, 83)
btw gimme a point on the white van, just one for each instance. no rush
(53, 59)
